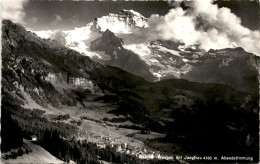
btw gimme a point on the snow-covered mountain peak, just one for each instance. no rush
(79, 39)
(107, 37)
(131, 12)
(121, 22)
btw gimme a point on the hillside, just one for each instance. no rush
(38, 155)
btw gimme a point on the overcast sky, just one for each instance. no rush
(64, 15)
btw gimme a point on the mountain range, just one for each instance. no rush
(205, 103)
(111, 40)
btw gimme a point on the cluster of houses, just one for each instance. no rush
(142, 153)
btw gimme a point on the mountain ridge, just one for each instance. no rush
(159, 59)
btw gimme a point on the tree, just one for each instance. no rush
(11, 133)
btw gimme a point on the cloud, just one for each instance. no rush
(174, 26)
(13, 10)
(223, 28)
(203, 24)
(56, 21)
(59, 36)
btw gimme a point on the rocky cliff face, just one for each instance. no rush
(45, 72)
(65, 80)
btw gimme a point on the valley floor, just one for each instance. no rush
(94, 129)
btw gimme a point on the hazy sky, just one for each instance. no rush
(43, 15)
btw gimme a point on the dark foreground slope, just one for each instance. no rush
(199, 119)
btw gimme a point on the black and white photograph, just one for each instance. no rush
(130, 82)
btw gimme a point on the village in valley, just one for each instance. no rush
(125, 148)
(93, 129)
